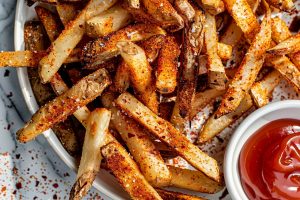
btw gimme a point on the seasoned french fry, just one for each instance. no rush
(193, 180)
(107, 22)
(122, 78)
(192, 45)
(105, 48)
(164, 13)
(34, 36)
(152, 46)
(69, 38)
(66, 11)
(216, 72)
(288, 46)
(86, 90)
(295, 58)
(185, 8)
(177, 121)
(95, 137)
(214, 126)
(262, 90)
(166, 73)
(169, 195)
(214, 7)
(169, 135)
(127, 172)
(248, 70)
(140, 73)
(285, 5)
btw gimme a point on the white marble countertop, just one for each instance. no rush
(32, 170)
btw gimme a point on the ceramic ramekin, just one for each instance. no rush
(278, 110)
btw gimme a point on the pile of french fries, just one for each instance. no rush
(114, 64)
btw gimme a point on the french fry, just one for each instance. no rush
(193, 42)
(169, 135)
(185, 8)
(86, 90)
(66, 11)
(285, 5)
(170, 195)
(69, 38)
(122, 78)
(177, 121)
(214, 7)
(152, 46)
(288, 46)
(216, 71)
(95, 137)
(127, 172)
(107, 22)
(224, 51)
(214, 126)
(95, 54)
(166, 73)
(248, 70)
(193, 180)
(140, 73)
(262, 90)
(34, 36)
(164, 13)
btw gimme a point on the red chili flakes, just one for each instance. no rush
(55, 185)
(3, 189)
(19, 185)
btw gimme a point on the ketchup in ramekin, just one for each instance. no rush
(270, 162)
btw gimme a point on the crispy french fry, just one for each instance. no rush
(69, 38)
(201, 99)
(285, 5)
(295, 58)
(214, 7)
(86, 90)
(193, 180)
(127, 172)
(152, 46)
(170, 195)
(216, 72)
(288, 46)
(248, 70)
(140, 73)
(169, 135)
(95, 137)
(185, 8)
(262, 90)
(214, 126)
(66, 11)
(107, 22)
(193, 42)
(105, 48)
(34, 36)
(164, 13)
(166, 73)
(122, 78)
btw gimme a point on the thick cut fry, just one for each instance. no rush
(86, 90)
(166, 73)
(169, 135)
(285, 5)
(193, 42)
(127, 172)
(216, 72)
(95, 138)
(244, 17)
(164, 13)
(105, 48)
(214, 7)
(203, 98)
(107, 22)
(214, 126)
(288, 46)
(185, 8)
(169, 195)
(66, 11)
(69, 38)
(50, 22)
(248, 70)
(262, 90)
(140, 73)
(193, 180)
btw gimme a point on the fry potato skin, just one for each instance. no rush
(185, 8)
(104, 48)
(86, 90)
(169, 195)
(127, 172)
(169, 135)
(166, 73)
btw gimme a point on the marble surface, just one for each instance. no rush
(32, 170)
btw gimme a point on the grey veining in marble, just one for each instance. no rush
(32, 170)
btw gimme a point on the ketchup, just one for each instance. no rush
(270, 162)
